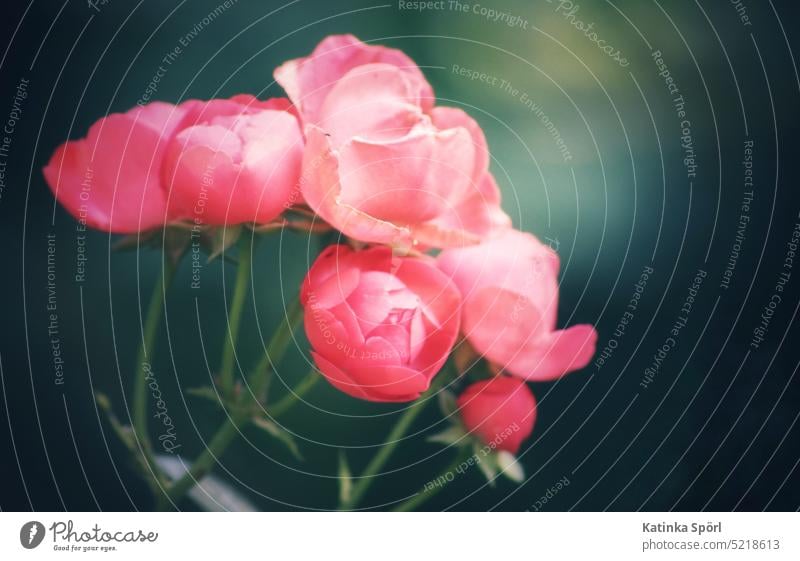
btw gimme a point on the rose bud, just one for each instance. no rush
(380, 327)
(110, 180)
(500, 411)
(237, 161)
(509, 285)
(382, 165)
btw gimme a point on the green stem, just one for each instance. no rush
(413, 502)
(155, 309)
(240, 415)
(288, 401)
(240, 289)
(276, 348)
(392, 440)
(373, 468)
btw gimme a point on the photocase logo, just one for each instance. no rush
(31, 534)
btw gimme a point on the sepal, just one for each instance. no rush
(454, 435)
(278, 433)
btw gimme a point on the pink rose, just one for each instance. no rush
(380, 327)
(381, 164)
(510, 289)
(234, 161)
(500, 411)
(110, 179)
(220, 162)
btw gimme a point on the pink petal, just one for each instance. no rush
(375, 352)
(329, 336)
(451, 117)
(558, 353)
(512, 261)
(335, 288)
(501, 325)
(199, 112)
(271, 159)
(380, 384)
(440, 300)
(479, 213)
(308, 80)
(164, 119)
(202, 175)
(110, 179)
(398, 337)
(390, 383)
(235, 169)
(407, 180)
(375, 102)
(372, 302)
(339, 379)
(321, 189)
(328, 263)
(441, 307)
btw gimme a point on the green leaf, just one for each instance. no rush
(219, 240)
(345, 480)
(176, 241)
(133, 241)
(275, 431)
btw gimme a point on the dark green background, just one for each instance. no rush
(715, 430)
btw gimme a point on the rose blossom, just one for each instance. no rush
(216, 162)
(381, 164)
(380, 327)
(110, 179)
(510, 289)
(236, 161)
(500, 411)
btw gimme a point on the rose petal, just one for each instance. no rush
(110, 178)
(309, 80)
(374, 102)
(501, 324)
(479, 213)
(234, 169)
(321, 189)
(556, 354)
(390, 383)
(450, 118)
(339, 379)
(406, 180)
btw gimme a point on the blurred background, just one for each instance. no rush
(632, 183)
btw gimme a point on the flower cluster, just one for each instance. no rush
(360, 142)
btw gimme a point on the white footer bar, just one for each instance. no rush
(389, 537)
